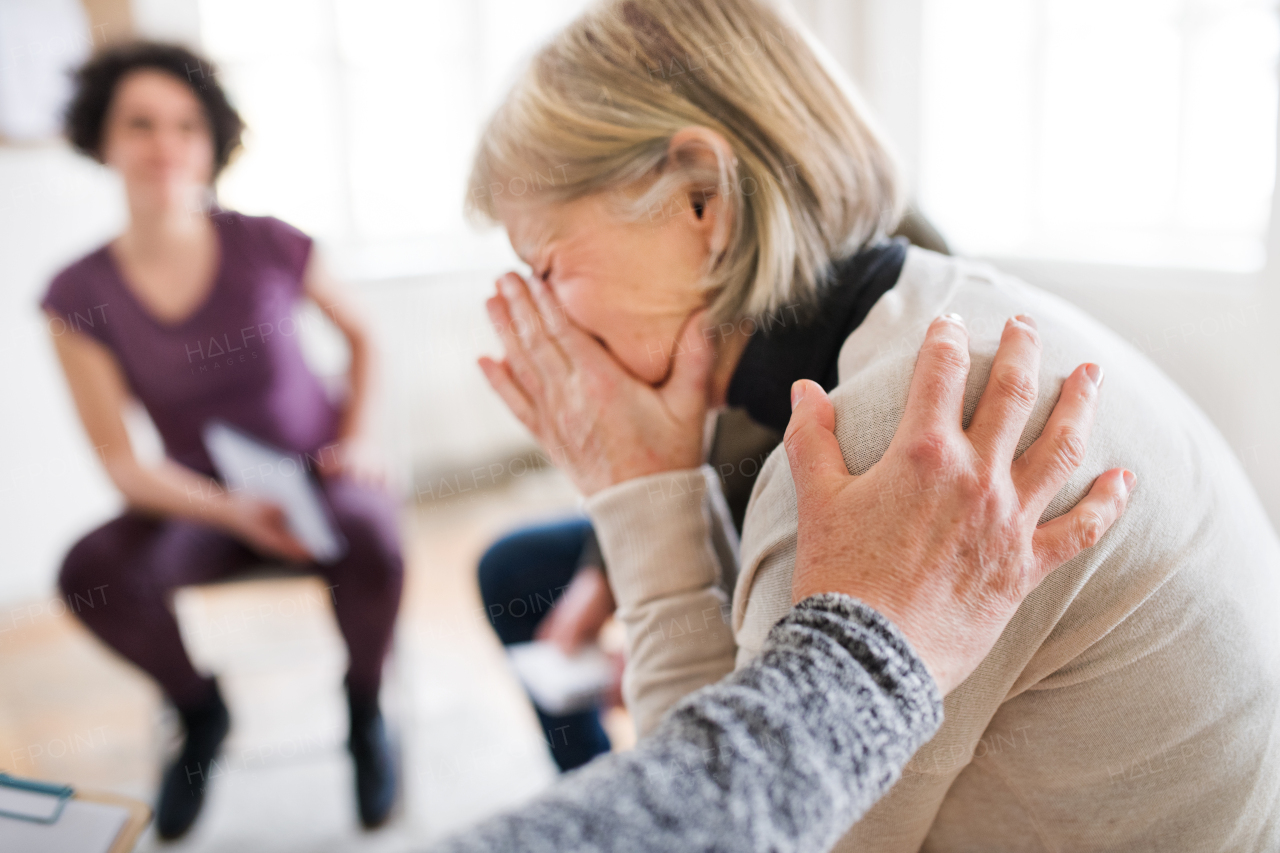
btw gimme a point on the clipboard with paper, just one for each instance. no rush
(39, 817)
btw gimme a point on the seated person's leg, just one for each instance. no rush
(118, 580)
(365, 586)
(367, 580)
(522, 576)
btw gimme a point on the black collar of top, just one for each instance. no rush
(803, 341)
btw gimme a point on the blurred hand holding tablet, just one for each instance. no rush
(262, 471)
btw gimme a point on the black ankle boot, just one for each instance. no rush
(376, 781)
(182, 790)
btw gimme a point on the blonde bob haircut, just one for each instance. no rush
(809, 180)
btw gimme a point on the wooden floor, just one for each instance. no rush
(72, 712)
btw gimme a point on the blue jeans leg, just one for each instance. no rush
(521, 576)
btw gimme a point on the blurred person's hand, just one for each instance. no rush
(578, 615)
(594, 418)
(940, 534)
(356, 458)
(264, 527)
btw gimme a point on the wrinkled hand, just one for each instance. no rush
(594, 418)
(940, 535)
(264, 527)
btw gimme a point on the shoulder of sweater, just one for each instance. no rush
(1144, 422)
(932, 285)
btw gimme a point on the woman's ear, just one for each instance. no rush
(707, 157)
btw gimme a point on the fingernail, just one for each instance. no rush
(954, 318)
(1094, 372)
(508, 289)
(797, 393)
(1027, 321)
(1129, 479)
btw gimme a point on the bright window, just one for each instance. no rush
(363, 113)
(1122, 131)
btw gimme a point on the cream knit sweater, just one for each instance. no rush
(1134, 701)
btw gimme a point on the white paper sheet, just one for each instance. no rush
(84, 827)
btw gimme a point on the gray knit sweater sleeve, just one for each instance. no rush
(783, 755)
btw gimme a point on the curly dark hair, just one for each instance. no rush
(96, 83)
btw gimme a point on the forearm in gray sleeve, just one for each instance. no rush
(783, 755)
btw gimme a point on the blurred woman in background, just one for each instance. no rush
(190, 310)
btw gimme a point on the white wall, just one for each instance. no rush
(1216, 341)
(1211, 332)
(53, 207)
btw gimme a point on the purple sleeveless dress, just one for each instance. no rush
(236, 358)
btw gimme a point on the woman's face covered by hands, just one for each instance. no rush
(607, 362)
(632, 284)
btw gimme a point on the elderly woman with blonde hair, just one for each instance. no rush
(703, 202)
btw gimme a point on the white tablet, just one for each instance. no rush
(559, 683)
(262, 471)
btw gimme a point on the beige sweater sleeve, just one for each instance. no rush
(668, 552)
